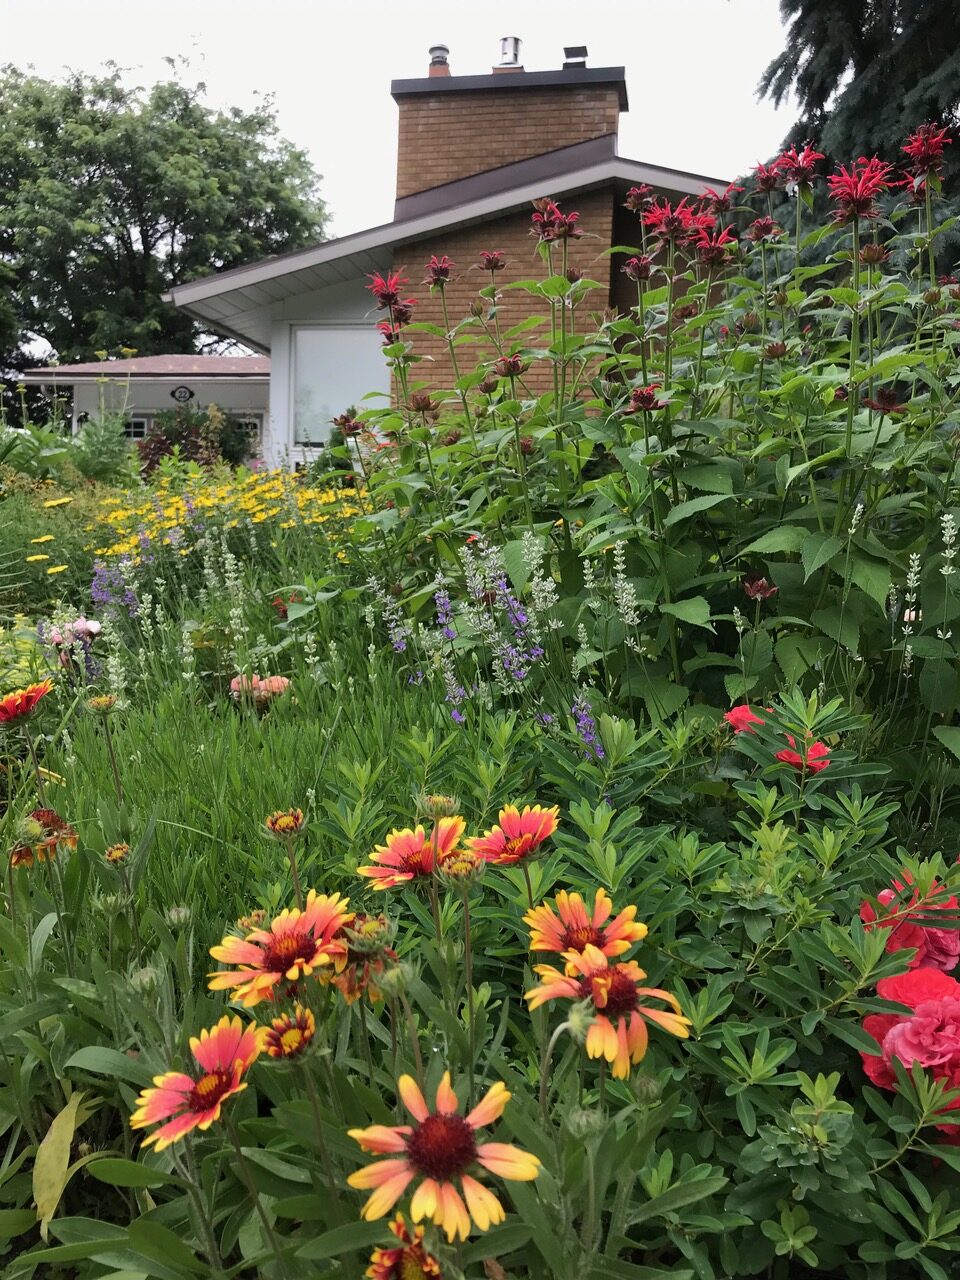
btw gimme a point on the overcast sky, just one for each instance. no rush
(692, 69)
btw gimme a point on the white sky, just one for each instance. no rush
(692, 69)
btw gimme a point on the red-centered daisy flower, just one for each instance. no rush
(766, 177)
(224, 1052)
(410, 854)
(516, 834)
(798, 166)
(925, 149)
(21, 703)
(716, 248)
(815, 758)
(296, 943)
(407, 1261)
(618, 1032)
(575, 927)
(289, 1035)
(741, 719)
(854, 190)
(56, 830)
(721, 201)
(439, 1149)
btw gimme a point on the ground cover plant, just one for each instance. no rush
(529, 850)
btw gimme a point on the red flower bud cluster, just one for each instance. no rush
(638, 268)
(549, 224)
(492, 260)
(509, 366)
(644, 399)
(438, 271)
(855, 190)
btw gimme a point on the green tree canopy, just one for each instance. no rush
(110, 194)
(867, 72)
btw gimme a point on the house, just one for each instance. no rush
(144, 386)
(474, 152)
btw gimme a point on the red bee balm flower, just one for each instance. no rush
(516, 835)
(386, 289)
(411, 854)
(925, 149)
(492, 260)
(815, 759)
(854, 191)
(645, 399)
(757, 588)
(798, 167)
(716, 248)
(618, 1032)
(509, 366)
(676, 223)
(439, 1149)
(574, 927)
(721, 202)
(909, 926)
(638, 198)
(438, 271)
(762, 229)
(408, 1261)
(225, 1052)
(638, 268)
(550, 224)
(19, 705)
(296, 943)
(766, 177)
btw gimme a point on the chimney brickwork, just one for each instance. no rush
(445, 136)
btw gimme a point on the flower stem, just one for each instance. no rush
(36, 765)
(244, 1172)
(328, 1169)
(414, 1037)
(545, 1067)
(203, 1223)
(117, 784)
(468, 977)
(294, 871)
(526, 876)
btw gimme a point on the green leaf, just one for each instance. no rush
(351, 1236)
(788, 537)
(501, 1240)
(949, 735)
(676, 1197)
(712, 479)
(109, 1062)
(13, 1222)
(52, 1162)
(695, 610)
(693, 505)
(116, 1172)
(817, 549)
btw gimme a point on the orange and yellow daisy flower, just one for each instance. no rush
(407, 1261)
(295, 943)
(439, 1149)
(410, 854)
(618, 1032)
(516, 834)
(289, 1035)
(224, 1052)
(574, 926)
(21, 703)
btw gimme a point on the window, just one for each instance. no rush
(333, 368)
(136, 428)
(252, 423)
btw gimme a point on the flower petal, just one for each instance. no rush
(508, 1161)
(490, 1107)
(484, 1207)
(380, 1138)
(446, 1102)
(412, 1098)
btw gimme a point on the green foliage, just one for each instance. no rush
(109, 195)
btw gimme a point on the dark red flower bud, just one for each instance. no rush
(756, 587)
(451, 437)
(775, 350)
(763, 229)
(347, 423)
(638, 268)
(527, 445)
(638, 198)
(509, 366)
(438, 271)
(549, 224)
(488, 385)
(686, 311)
(492, 260)
(872, 254)
(421, 403)
(573, 275)
(749, 322)
(644, 399)
(931, 296)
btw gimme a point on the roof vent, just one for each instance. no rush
(575, 57)
(510, 52)
(439, 53)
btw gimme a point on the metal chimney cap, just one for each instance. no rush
(510, 51)
(575, 51)
(439, 53)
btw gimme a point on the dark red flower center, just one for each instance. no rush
(442, 1147)
(581, 937)
(621, 994)
(414, 862)
(287, 950)
(210, 1089)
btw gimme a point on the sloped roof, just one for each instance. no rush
(238, 301)
(184, 366)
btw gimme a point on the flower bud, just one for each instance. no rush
(145, 980)
(931, 297)
(646, 1087)
(368, 935)
(102, 704)
(580, 1017)
(775, 350)
(477, 309)
(462, 869)
(117, 853)
(395, 980)
(437, 806)
(585, 1122)
(178, 916)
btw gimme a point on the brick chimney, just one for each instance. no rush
(453, 127)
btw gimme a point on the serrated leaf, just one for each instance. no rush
(695, 610)
(817, 550)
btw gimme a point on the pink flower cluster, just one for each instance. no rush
(929, 1034)
(909, 928)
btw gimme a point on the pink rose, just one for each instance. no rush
(931, 1036)
(741, 719)
(273, 685)
(935, 948)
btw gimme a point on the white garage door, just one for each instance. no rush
(333, 368)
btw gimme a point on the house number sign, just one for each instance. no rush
(182, 394)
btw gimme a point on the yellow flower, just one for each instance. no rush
(57, 568)
(47, 537)
(34, 559)
(57, 502)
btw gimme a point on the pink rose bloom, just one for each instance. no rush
(931, 1037)
(261, 690)
(935, 948)
(244, 684)
(85, 628)
(273, 685)
(816, 758)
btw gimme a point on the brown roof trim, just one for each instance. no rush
(501, 83)
(546, 166)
